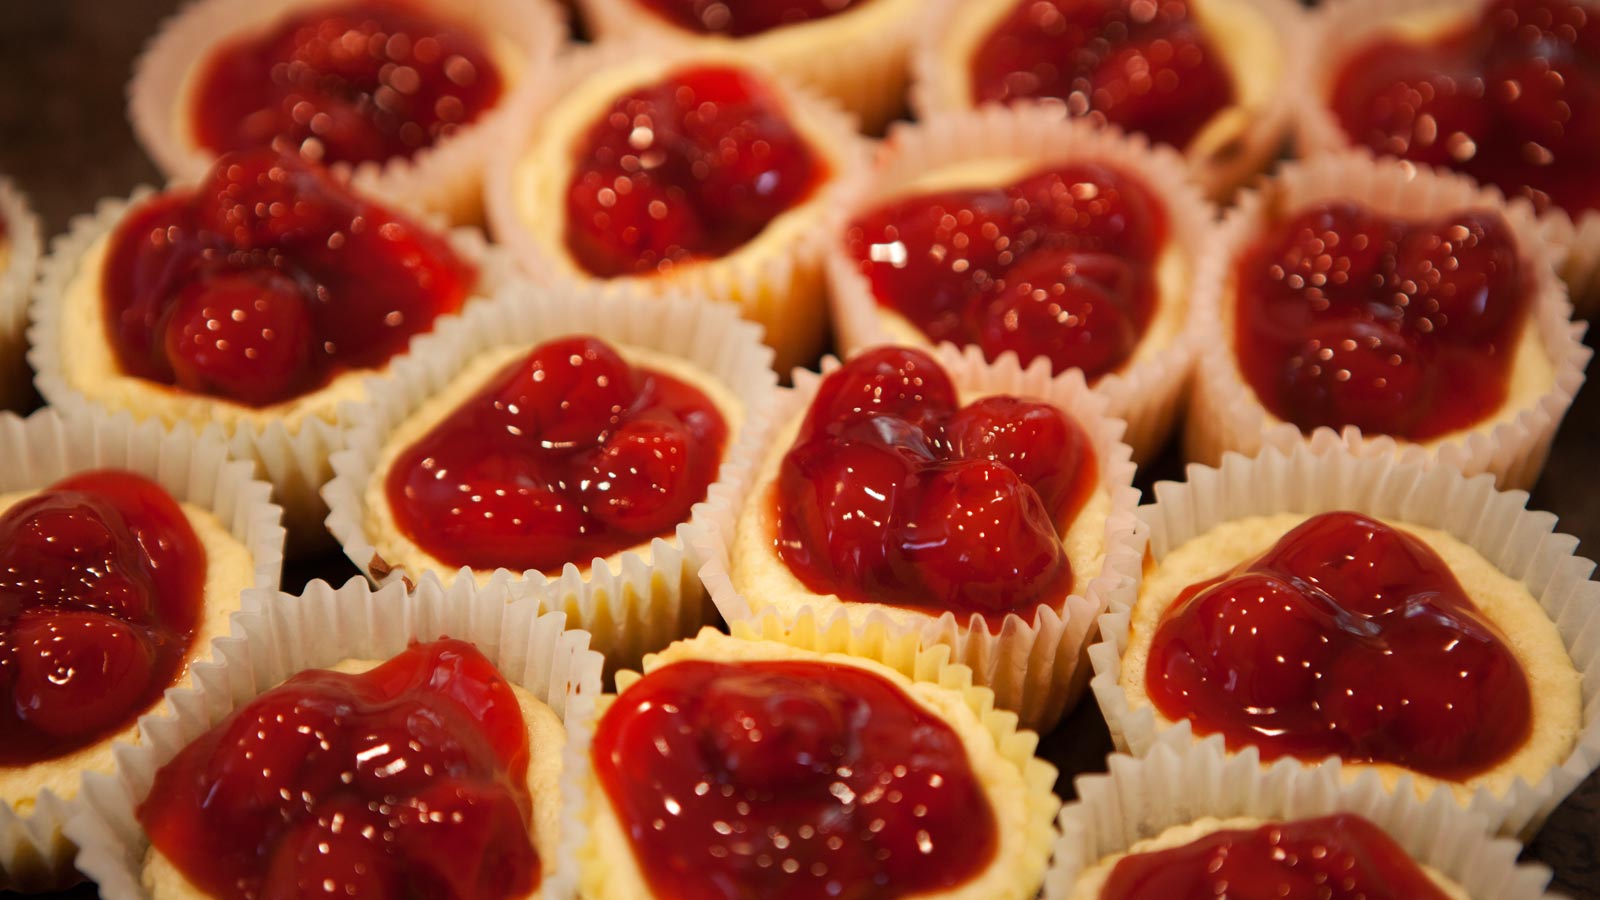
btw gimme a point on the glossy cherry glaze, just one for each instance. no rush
(1349, 638)
(347, 82)
(565, 455)
(893, 493)
(690, 167)
(102, 584)
(742, 18)
(1061, 264)
(1346, 316)
(1510, 97)
(1339, 857)
(789, 780)
(268, 280)
(408, 780)
(1144, 65)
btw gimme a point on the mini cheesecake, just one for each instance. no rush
(790, 772)
(427, 774)
(1204, 76)
(688, 171)
(113, 588)
(1395, 647)
(533, 459)
(1252, 858)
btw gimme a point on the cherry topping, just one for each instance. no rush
(1058, 265)
(691, 167)
(1511, 97)
(742, 18)
(1348, 637)
(101, 583)
(892, 494)
(347, 82)
(789, 780)
(1339, 857)
(406, 780)
(1147, 67)
(565, 455)
(269, 280)
(1349, 317)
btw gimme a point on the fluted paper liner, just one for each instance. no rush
(900, 660)
(278, 635)
(937, 88)
(1148, 392)
(1139, 799)
(859, 57)
(777, 284)
(196, 469)
(292, 449)
(1225, 413)
(1340, 26)
(1032, 664)
(445, 178)
(633, 604)
(21, 243)
(1323, 476)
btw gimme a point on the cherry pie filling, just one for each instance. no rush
(743, 18)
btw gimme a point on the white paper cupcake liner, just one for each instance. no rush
(776, 278)
(895, 655)
(1340, 26)
(20, 245)
(292, 450)
(1032, 665)
(444, 178)
(1148, 393)
(278, 635)
(859, 57)
(1139, 799)
(937, 86)
(1225, 413)
(1322, 476)
(196, 469)
(639, 601)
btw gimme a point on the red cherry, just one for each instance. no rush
(981, 540)
(744, 19)
(739, 140)
(463, 838)
(393, 762)
(1467, 273)
(1164, 86)
(341, 852)
(242, 335)
(496, 520)
(1035, 440)
(1362, 564)
(1050, 310)
(772, 733)
(1419, 106)
(884, 381)
(1357, 373)
(259, 199)
(631, 223)
(641, 477)
(78, 672)
(1332, 257)
(1091, 208)
(276, 760)
(839, 505)
(569, 393)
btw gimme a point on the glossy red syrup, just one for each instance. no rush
(789, 780)
(894, 493)
(102, 583)
(565, 455)
(408, 780)
(1349, 317)
(1339, 857)
(1060, 264)
(1144, 65)
(688, 168)
(268, 280)
(1347, 638)
(742, 18)
(347, 82)
(1511, 97)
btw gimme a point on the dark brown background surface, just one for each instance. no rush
(65, 141)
